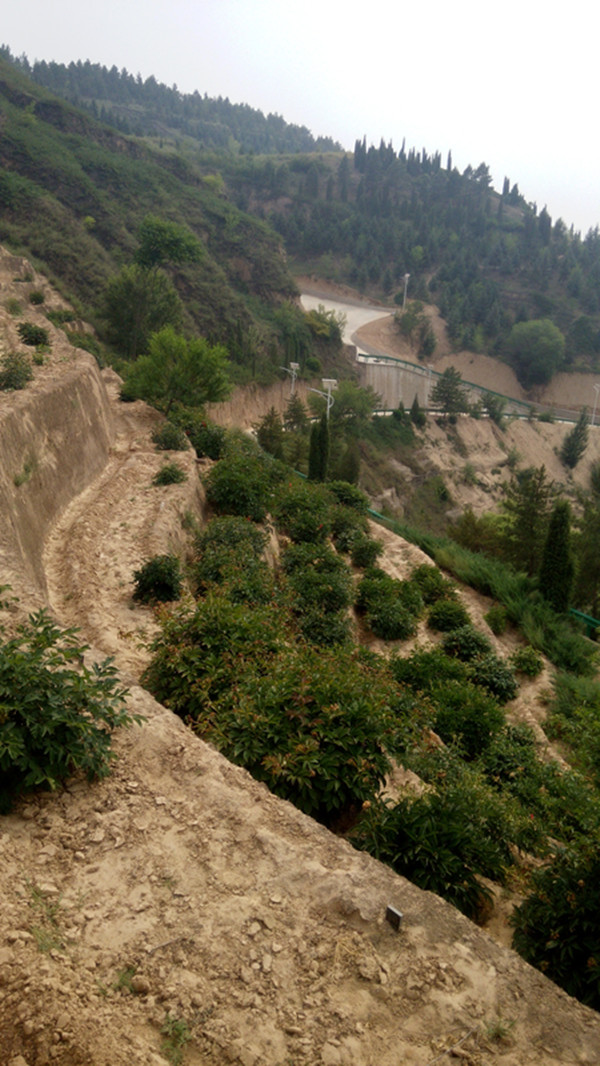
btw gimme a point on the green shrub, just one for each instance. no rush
(466, 643)
(391, 620)
(438, 843)
(159, 579)
(324, 627)
(497, 619)
(13, 306)
(228, 553)
(432, 583)
(202, 654)
(349, 495)
(16, 372)
(36, 297)
(58, 318)
(526, 661)
(170, 438)
(86, 342)
(206, 438)
(557, 927)
(365, 551)
(446, 615)
(56, 716)
(302, 511)
(169, 474)
(312, 729)
(496, 676)
(32, 335)
(318, 577)
(424, 669)
(346, 526)
(241, 485)
(467, 715)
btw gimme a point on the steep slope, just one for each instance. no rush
(178, 894)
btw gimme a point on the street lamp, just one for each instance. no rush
(329, 384)
(596, 390)
(406, 277)
(292, 370)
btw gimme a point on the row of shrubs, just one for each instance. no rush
(263, 666)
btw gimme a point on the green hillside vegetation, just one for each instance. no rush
(498, 268)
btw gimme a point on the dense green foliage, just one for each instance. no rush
(557, 928)
(178, 371)
(56, 715)
(16, 371)
(557, 567)
(169, 474)
(158, 580)
(576, 441)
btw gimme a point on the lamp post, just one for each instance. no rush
(292, 370)
(406, 277)
(596, 390)
(329, 384)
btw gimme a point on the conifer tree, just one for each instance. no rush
(318, 456)
(557, 569)
(576, 441)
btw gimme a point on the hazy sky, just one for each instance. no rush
(514, 85)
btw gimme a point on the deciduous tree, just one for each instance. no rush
(177, 370)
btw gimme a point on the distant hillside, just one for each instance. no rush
(77, 191)
(73, 194)
(149, 108)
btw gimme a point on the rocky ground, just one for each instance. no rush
(177, 908)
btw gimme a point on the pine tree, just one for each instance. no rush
(557, 570)
(576, 441)
(417, 415)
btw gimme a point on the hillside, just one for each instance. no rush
(179, 888)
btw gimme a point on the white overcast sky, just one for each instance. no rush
(514, 85)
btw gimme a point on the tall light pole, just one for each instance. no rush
(329, 384)
(596, 390)
(292, 370)
(406, 277)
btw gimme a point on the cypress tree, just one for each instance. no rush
(576, 441)
(318, 455)
(557, 570)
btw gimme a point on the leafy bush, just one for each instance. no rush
(575, 718)
(446, 615)
(364, 551)
(16, 372)
(466, 643)
(318, 577)
(302, 511)
(324, 627)
(228, 552)
(495, 675)
(32, 335)
(202, 654)
(56, 716)
(557, 927)
(467, 715)
(391, 620)
(169, 474)
(159, 579)
(312, 729)
(36, 297)
(425, 669)
(497, 619)
(170, 438)
(349, 495)
(526, 661)
(207, 438)
(346, 526)
(436, 841)
(240, 484)
(432, 583)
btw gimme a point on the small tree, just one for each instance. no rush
(536, 350)
(269, 433)
(417, 415)
(135, 304)
(557, 570)
(526, 504)
(449, 393)
(576, 441)
(318, 457)
(176, 370)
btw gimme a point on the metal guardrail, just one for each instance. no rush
(520, 408)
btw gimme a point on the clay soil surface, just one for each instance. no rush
(179, 897)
